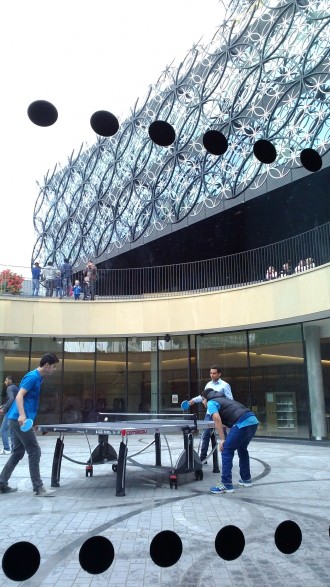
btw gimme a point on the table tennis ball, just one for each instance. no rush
(106, 419)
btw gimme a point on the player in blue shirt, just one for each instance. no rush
(26, 406)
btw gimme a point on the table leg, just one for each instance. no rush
(121, 470)
(57, 461)
(158, 450)
(215, 455)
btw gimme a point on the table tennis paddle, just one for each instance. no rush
(27, 425)
(185, 405)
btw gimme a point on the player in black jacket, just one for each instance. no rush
(243, 425)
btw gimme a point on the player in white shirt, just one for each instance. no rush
(218, 385)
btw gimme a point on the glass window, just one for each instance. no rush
(174, 384)
(78, 379)
(229, 352)
(51, 391)
(14, 360)
(110, 378)
(142, 375)
(278, 381)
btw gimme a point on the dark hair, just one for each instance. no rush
(9, 377)
(49, 358)
(206, 391)
(216, 367)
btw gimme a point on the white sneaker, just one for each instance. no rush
(5, 452)
(245, 483)
(43, 492)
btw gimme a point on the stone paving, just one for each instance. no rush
(291, 482)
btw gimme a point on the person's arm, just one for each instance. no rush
(10, 400)
(196, 400)
(219, 428)
(20, 405)
(227, 391)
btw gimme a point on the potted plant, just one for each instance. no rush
(10, 282)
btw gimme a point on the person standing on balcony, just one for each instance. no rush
(11, 392)
(91, 273)
(58, 285)
(301, 266)
(221, 387)
(66, 275)
(310, 263)
(76, 290)
(36, 275)
(271, 273)
(286, 269)
(49, 273)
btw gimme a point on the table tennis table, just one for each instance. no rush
(158, 425)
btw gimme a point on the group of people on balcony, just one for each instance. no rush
(60, 280)
(303, 265)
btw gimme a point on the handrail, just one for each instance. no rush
(232, 271)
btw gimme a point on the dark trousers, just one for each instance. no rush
(23, 442)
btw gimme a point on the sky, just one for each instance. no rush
(82, 56)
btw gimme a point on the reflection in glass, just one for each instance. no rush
(278, 381)
(78, 380)
(51, 390)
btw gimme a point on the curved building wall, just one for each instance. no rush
(116, 355)
(264, 75)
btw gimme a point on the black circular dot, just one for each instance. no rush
(215, 142)
(162, 133)
(311, 160)
(42, 113)
(288, 537)
(264, 151)
(104, 123)
(166, 548)
(96, 555)
(229, 543)
(24, 553)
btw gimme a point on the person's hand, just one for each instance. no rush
(1, 412)
(21, 420)
(221, 443)
(191, 402)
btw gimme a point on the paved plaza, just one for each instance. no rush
(291, 481)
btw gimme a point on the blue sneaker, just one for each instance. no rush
(245, 483)
(222, 489)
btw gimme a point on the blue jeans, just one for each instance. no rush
(66, 286)
(23, 441)
(49, 285)
(5, 434)
(35, 287)
(237, 439)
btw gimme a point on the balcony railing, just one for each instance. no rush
(302, 252)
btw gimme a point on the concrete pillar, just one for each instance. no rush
(154, 382)
(315, 382)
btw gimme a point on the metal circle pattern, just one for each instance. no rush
(264, 75)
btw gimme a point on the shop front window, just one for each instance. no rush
(279, 388)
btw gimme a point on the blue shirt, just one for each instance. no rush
(36, 272)
(32, 383)
(247, 419)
